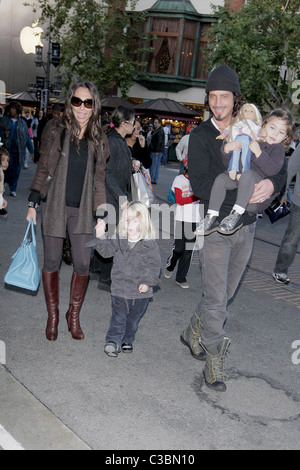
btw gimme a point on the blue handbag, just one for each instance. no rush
(23, 274)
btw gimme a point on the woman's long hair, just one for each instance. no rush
(93, 131)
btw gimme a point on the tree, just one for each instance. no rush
(261, 41)
(99, 40)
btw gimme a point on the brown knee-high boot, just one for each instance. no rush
(51, 290)
(78, 289)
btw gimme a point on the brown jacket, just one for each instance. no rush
(51, 176)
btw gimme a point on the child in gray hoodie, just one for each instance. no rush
(136, 270)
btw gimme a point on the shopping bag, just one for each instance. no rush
(171, 197)
(23, 274)
(277, 211)
(141, 190)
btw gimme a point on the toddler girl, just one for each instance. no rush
(267, 160)
(136, 269)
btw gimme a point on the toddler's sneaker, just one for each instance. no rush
(231, 223)
(111, 349)
(281, 278)
(127, 348)
(208, 225)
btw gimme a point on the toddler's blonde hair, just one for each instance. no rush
(140, 211)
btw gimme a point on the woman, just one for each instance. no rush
(119, 167)
(118, 183)
(139, 150)
(70, 182)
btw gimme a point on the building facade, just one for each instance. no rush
(174, 28)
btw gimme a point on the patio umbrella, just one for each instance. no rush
(112, 102)
(166, 108)
(24, 97)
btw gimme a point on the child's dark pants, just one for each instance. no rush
(126, 315)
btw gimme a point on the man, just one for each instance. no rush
(156, 149)
(223, 257)
(19, 140)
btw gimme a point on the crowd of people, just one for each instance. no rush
(84, 171)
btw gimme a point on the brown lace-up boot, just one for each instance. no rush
(78, 289)
(51, 290)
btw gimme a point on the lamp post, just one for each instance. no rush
(44, 94)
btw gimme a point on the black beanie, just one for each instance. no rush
(223, 78)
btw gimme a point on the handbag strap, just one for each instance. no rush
(30, 227)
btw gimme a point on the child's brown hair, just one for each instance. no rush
(286, 116)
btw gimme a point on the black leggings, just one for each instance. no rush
(53, 247)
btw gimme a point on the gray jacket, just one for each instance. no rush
(294, 170)
(131, 266)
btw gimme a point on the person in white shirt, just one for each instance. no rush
(182, 148)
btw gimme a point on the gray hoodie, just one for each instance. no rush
(132, 266)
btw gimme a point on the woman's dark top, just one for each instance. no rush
(76, 173)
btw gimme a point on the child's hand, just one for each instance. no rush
(100, 228)
(235, 145)
(143, 289)
(255, 148)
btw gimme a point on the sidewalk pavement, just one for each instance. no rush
(69, 394)
(30, 422)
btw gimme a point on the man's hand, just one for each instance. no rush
(263, 191)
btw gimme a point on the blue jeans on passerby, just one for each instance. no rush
(155, 167)
(290, 242)
(126, 316)
(164, 160)
(245, 156)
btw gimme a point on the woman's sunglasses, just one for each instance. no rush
(77, 102)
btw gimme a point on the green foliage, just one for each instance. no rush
(99, 40)
(262, 43)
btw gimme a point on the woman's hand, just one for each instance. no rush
(31, 214)
(142, 140)
(136, 165)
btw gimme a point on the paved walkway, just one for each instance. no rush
(69, 394)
